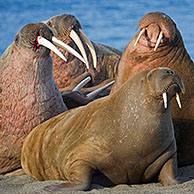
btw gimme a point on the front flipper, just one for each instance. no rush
(168, 172)
(79, 179)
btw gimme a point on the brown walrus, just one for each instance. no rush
(101, 59)
(161, 44)
(128, 137)
(29, 94)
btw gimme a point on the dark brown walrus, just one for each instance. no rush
(65, 28)
(28, 93)
(128, 137)
(159, 45)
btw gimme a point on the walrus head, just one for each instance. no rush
(68, 28)
(165, 83)
(156, 29)
(157, 44)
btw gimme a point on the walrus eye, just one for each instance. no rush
(16, 39)
(149, 76)
(49, 24)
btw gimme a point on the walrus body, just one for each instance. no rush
(29, 94)
(128, 137)
(65, 72)
(170, 53)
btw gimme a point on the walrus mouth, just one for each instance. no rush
(75, 37)
(142, 31)
(165, 92)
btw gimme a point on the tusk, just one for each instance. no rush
(42, 41)
(78, 42)
(165, 99)
(158, 41)
(139, 36)
(82, 84)
(178, 100)
(93, 94)
(90, 46)
(66, 47)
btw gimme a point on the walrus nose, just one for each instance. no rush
(169, 71)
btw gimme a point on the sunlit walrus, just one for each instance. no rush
(29, 94)
(98, 59)
(159, 43)
(128, 137)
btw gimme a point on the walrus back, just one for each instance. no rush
(49, 140)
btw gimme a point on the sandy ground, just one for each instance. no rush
(25, 184)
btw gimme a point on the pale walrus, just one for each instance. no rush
(101, 60)
(127, 137)
(159, 43)
(29, 94)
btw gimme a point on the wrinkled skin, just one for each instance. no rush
(29, 94)
(170, 53)
(65, 72)
(127, 137)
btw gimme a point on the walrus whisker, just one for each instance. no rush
(66, 47)
(90, 46)
(44, 42)
(94, 93)
(158, 41)
(139, 36)
(82, 84)
(165, 99)
(78, 42)
(178, 100)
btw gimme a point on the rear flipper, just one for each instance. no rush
(79, 179)
(168, 172)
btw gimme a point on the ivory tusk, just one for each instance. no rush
(139, 36)
(94, 93)
(78, 42)
(178, 100)
(82, 84)
(158, 41)
(66, 47)
(165, 99)
(44, 42)
(90, 46)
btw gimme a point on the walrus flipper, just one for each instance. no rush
(168, 172)
(80, 176)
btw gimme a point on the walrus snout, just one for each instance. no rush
(166, 83)
(166, 24)
(156, 27)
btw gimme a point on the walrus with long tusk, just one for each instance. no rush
(98, 59)
(159, 44)
(127, 137)
(29, 94)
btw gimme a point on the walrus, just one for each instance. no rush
(101, 60)
(126, 137)
(159, 44)
(29, 94)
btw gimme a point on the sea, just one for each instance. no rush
(112, 22)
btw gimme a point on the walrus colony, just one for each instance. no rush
(159, 44)
(127, 136)
(29, 94)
